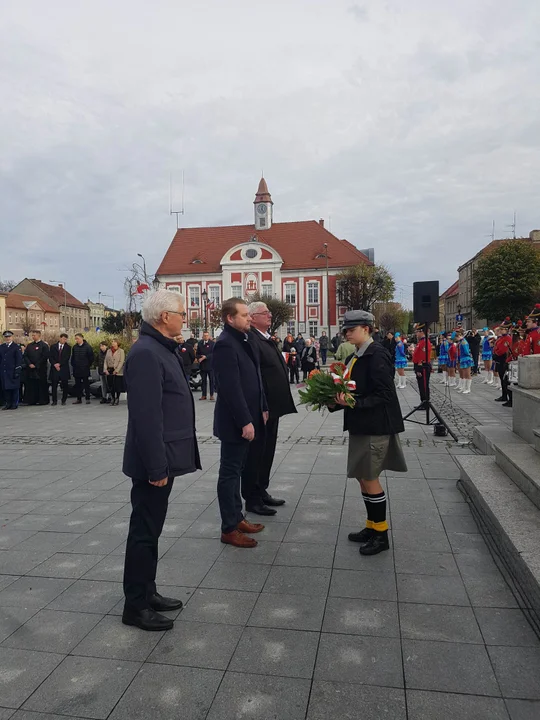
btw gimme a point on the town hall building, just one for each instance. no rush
(294, 261)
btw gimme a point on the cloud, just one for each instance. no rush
(359, 12)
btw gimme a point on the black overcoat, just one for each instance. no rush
(240, 393)
(36, 353)
(55, 358)
(274, 376)
(11, 361)
(160, 440)
(82, 357)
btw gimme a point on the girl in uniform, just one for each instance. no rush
(452, 361)
(487, 357)
(465, 364)
(401, 361)
(444, 359)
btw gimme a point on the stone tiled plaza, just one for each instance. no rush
(300, 627)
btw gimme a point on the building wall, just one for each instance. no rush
(71, 318)
(3, 319)
(34, 317)
(96, 314)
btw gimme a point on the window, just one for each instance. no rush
(262, 222)
(313, 293)
(314, 328)
(267, 289)
(251, 253)
(236, 291)
(290, 293)
(194, 296)
(291, 328)
(173, 288)
(214, 294)
(10, 319)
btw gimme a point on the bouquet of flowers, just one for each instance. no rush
(322, 387)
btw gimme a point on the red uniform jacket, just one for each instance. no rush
(453, 352)
(534, 340)
(521, 348)
(503, 346)
(419, 354)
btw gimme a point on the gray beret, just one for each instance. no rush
(353, 318)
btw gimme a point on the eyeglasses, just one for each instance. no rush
(263, 312)
(176, 312)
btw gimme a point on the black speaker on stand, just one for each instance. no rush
(426, 311)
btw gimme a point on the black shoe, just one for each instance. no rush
(78, 402)
(88, 401)
(507, 404)
(54, 402)
(501, 399)
(361, 537)
(376, 544)
(260, 510)
(102, 401)
(6, 407)
(272, 502)
(146, 619)
(63, 402)
(164, 604)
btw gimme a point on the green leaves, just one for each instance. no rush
(361, 286)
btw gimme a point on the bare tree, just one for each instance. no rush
(7, 285)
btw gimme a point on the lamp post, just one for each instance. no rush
(327, 295)
(65, 298)
(155, 283)
(205, 304)
(144, 268)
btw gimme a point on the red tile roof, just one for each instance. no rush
(452, 290)
(16, 302)
(56, 293)
(298, 243)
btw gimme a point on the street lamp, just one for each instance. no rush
(144, 267)
(155, 283)
(205, 304)
(65, 298)
(327, 294)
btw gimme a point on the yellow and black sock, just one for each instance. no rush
(376, 505)
(369, 521)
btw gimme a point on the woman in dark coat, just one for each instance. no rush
(373, 424)
(308, 359)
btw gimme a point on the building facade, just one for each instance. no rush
(97, 315)
(450, 301)
(294, 261)
(74, 315)
(3, 319)
(26, 313)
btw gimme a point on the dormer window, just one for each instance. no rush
(320, 256)
(196, 261)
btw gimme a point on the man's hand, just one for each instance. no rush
(265, 416)
(32, 367)
(340, 399)
(202, 358)
(248, 432)
(57, 366)
(159, 483)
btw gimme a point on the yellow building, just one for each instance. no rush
(3, 319)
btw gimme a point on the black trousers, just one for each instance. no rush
(80, 384)
(207, 376)
(37, 391)
(149, 510)
(324, 353)
(232, 460)
(423, 374)
(256, 473)
(475, 360)
(54, 388)
(501, 366)
(294, 374)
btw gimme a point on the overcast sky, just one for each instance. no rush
(412, 123)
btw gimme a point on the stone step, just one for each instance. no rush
(522, 465)
(485, 437)
(536, 434)
(511, 519)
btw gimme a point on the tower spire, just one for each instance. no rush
(263, 206)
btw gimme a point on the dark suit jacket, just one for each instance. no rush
(55, 358)
(240, 394)
(206, 349)
(160, 440)
(82, 357)
(274, 376)
(11, 361)
(36, 353)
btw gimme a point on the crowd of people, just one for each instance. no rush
(252, 386)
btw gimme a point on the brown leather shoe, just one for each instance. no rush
(247, 527)
(238, 539)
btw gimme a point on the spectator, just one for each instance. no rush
(278, 343)
(160, 445)
(308, 359)
(114, 369)
(187, 353)
(205, 352)
(336, 342)
(105, 395)
(35, 359)
(288, 343)
(11, 361)
(193, 341)
(82, 357)
(299, 343)
(390, 344)
(376, 337)
(240, 415)
(323, 346)
(474, 341)
(59, 373)
(293, 363)
(345, 350)
(256, 473)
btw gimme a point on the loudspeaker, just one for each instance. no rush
(426, 302)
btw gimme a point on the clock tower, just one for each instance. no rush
(263, 206)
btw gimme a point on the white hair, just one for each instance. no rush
(159, 302)
(256, 307)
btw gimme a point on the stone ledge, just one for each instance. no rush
(522, 465)
(536, 434)
(512, 520)
(526, 412)
(486, 437)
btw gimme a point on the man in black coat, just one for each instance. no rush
(35, 360)
(239, 418)
(59, 373)
(256, 474)
(187, 353)
(11, 361)
(82, 357)
(474, 344)
(205, 351)
(160, 445)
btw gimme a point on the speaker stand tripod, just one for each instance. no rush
(426, 404)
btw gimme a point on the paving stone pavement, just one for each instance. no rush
(302, 627)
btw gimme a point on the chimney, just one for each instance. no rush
(321, 222)
(534, 236)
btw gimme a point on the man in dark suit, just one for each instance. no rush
(11, 361)
(256, 474)
(82, 357)
(205, 352)
(160, 445)
(59, 373)
(240, 416)
(35, 358)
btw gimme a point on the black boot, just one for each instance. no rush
(363, 536)
(164, 604)
(376, 544)
(146, 619)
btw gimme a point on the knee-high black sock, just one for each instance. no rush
(369, 510)
(377, 512)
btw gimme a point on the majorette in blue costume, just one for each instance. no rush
(487, 357)
(465, 364)
(400, 361)
(444, 359)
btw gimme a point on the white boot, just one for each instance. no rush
(403, 382)
(490, 378)
(452, 382)
(467, 389)
(486, 378)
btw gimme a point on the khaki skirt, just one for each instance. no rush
(369, 455)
